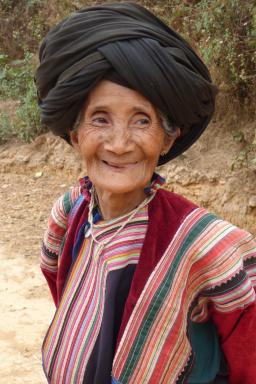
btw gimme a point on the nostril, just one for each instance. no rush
(119, 146)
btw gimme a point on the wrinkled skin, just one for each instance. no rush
(120, 137)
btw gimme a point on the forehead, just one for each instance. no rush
(110, 95)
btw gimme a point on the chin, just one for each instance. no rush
(118, 184)
(119, 188)
(132, 180)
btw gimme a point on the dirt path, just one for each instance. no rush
(25, 310)
(25, 305)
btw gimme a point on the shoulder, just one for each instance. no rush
(168, 206)
(58, 218)
(170, 201)
(57, 227)
(67, 200)
(175, 199)
(220, 249)
(215, 243)
(63, 205)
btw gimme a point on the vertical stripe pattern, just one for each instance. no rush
(57, 226)
(73, 333)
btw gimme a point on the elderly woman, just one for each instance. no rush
(149, 288)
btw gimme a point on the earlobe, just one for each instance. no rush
(169, 141)
(74, 139)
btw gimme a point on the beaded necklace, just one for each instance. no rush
(102, 244)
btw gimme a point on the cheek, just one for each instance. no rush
(152, 142)
(89, 143)
(152, 149)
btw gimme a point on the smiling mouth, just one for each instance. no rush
(120, 165)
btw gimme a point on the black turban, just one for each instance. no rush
(125, 43)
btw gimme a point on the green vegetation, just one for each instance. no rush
(222, 31)
(17, 82)
(226, 31)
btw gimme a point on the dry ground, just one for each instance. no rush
(25, 305)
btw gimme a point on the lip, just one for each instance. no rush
(119, 166)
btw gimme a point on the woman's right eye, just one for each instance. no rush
(99, 121)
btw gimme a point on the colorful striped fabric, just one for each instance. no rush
(77, 322)
(56, 229)
(207, 270)
(203, 263)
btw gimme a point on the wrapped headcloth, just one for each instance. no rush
(125, 43)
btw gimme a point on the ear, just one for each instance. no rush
(169, 141)
(74, 140)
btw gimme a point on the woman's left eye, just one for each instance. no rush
(143, 121)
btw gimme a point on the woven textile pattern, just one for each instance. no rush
(205, 254)
(56, 230)
(208, 270)
(74, 330)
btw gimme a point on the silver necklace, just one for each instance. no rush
(102, 244)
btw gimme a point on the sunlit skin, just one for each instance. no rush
(120, 138)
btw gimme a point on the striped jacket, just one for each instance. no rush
(193, 267)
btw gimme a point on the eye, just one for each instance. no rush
(141, 121)
(100, 121)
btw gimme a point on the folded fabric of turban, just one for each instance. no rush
(126, 43)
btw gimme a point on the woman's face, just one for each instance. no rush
(120, 138)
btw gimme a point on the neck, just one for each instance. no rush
(114, 205)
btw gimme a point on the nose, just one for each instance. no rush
(119, 141)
